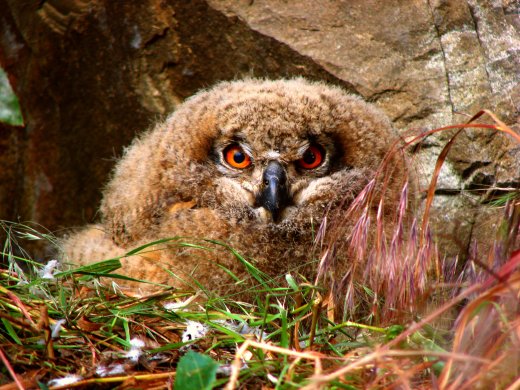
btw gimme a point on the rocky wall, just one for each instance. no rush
(91, 74)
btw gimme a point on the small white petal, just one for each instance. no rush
(136, 343)
(117, 369)
(173, 305)
(244, 328)
(102, 371)
(194, 330)
(56, 328)
(133, 354)
(158, 356)
(67, 380)
(225, 369)
(47, 272)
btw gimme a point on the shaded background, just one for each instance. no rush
(90, 75)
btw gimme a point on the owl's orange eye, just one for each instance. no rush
(312, 158)
(236, 157)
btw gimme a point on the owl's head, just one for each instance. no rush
(270, 153)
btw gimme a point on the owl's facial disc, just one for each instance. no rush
(268, 181)
(274, 194)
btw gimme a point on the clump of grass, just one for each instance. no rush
(65, 323)
(394, 267)
(62, 329)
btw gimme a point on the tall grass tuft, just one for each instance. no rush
(394, 267)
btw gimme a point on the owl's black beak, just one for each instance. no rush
(274, 194)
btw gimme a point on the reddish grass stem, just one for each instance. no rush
(10, 369)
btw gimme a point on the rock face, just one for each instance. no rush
(11, 156)
(92, 74)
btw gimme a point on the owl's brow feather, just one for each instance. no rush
(303, 148)
(272, 155)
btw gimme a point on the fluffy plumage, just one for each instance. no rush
(174, 180)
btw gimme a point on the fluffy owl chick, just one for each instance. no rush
(252, 163)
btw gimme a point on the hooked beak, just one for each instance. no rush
(274, 194)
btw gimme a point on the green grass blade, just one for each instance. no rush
(10, 331)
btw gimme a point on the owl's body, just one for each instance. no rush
(254, 164)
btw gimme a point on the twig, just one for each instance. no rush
(515, 385)
(10, 369)
(236, 365)
(44, 320)
(378, 354)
